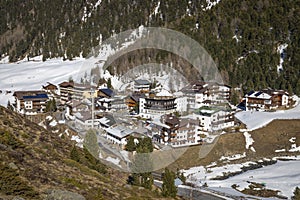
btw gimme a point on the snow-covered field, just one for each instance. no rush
(258, 119)
(33, 74)
(283, 176)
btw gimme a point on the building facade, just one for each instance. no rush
(160, 104)
(70, 91)
(266, 99)
(30, 102)
(141, 85)
(215, 118)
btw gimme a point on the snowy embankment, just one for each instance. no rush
(283, 176)
(258, 119)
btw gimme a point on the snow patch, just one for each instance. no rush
(78, 140)
(292, 140)
(294, 148)
(53, 123)
(252, 149)
(233, 157)
(4, 60)
(115, 161)
(249, 139)
(279, 150)
(283, 176)
(210, 4)
(237, 38)
(42, 125)
(49, 117)
(280, 49)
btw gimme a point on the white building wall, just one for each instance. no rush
(285, 100)
(28, 104)
(181, 104)
(199, 98)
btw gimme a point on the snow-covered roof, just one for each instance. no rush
(164, 93)
(259, 95)
(119, 131)
(178, 94)
(104, 99)
(141, 82)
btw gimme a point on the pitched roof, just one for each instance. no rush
(259, 95)
(66, 84)
(35, 94)
(83, 115)
(119, 131)
(107, 91)
(164, 93)
(108, 120)
(136, 96)
(49, 85)
(170, 119)
(141, 82)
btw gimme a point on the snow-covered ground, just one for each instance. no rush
(210, 4)
(33, 74)
(283, 176)
(280, 50)
(258, 119)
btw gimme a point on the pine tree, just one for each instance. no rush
(51, 106)
(168, 187)
(109, 85)
(9, 106)
(234, 98)
(296, 194)
(74, 154)
(297, 89)
(130, 146)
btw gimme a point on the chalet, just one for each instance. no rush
(200, 93)
(181, 104)
(30, 102)
(105, 93)
(213, 118)
(79, 106)
(118, 103)
(84, 119)
(186, 133)
(104, 104)
(266, 99)
(174, 131)
(66, 91)
(70, 91)
(82, 91)
(50, 88)
(118, 134)
(132, 101)
(160, 104)
(141, 86)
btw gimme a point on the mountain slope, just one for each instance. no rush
(243, 37)
(36, 164)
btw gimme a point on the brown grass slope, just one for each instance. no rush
(274, 136)
(34, 161)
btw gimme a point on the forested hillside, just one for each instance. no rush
(242, 36)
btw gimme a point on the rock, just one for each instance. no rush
(18, 198)
(13, 166)
(128, 186)
(63, 195)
